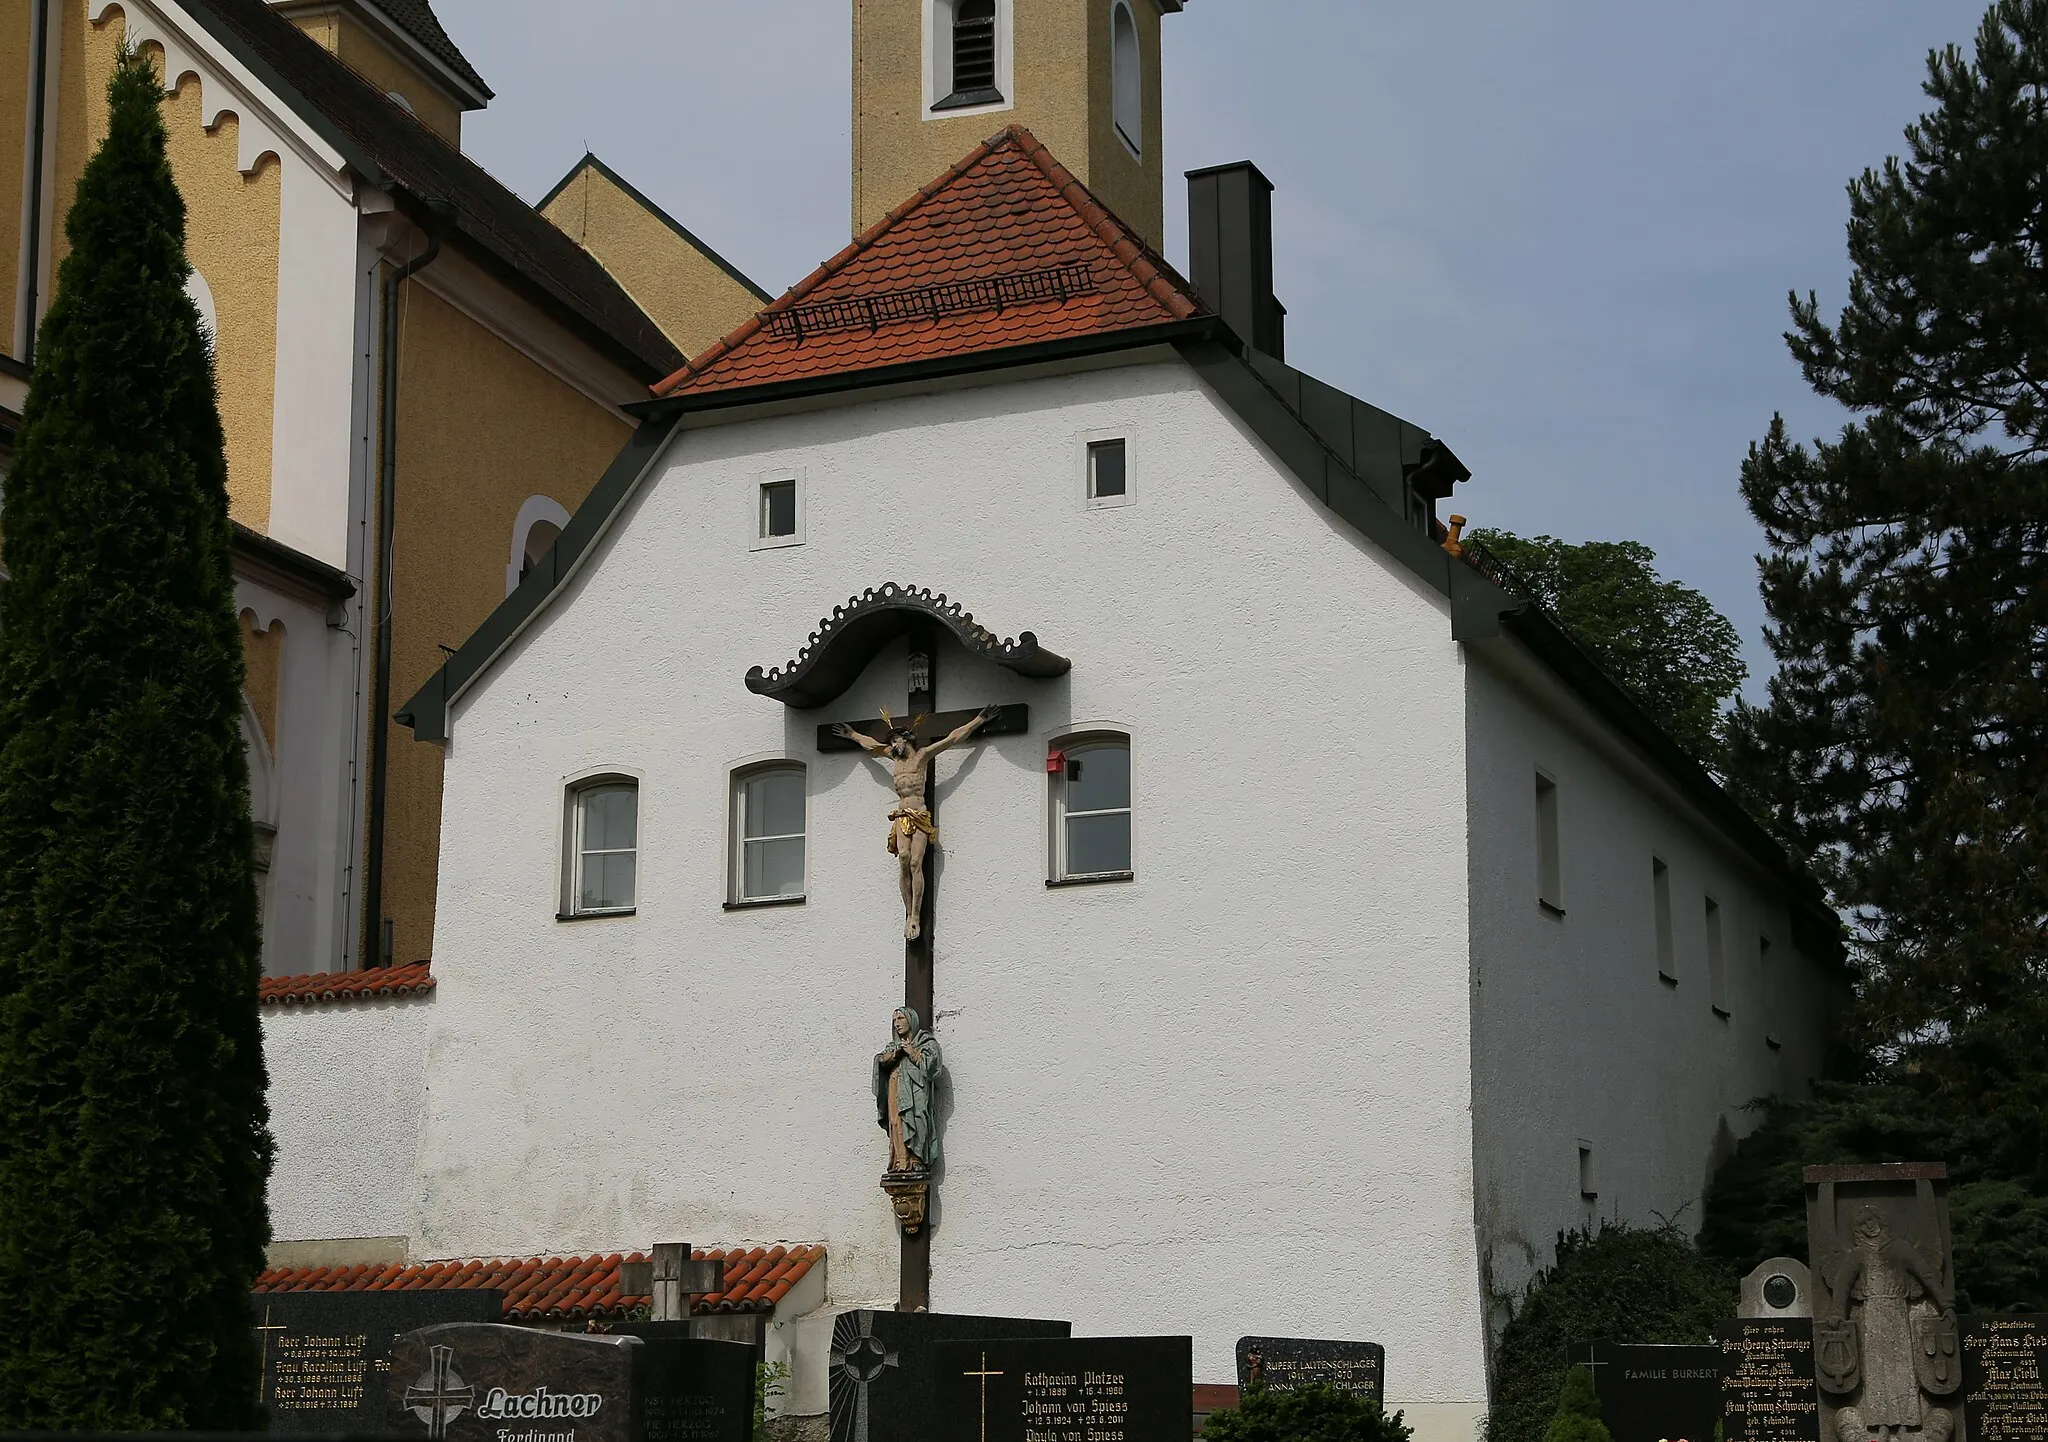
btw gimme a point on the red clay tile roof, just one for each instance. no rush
(319, 986)
(565, 1289)
(1005, 249)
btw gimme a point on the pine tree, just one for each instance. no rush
(1904, 744)
(133, 1128)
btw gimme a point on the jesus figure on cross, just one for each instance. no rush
(910, 823)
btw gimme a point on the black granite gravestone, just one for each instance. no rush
(326, 1355)
(1654, 1393)
(1283, 1364)
(1075, 1389)
(2005, 1378)
(881, 1367)
(469, 1383)
(689, 1389)
(1767, 1388)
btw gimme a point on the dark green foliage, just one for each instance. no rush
(1623, 1284)
(1757, 1205)
(1904, 743)
(134, 1147)
(1578, 1411)
(1316, 1413)
(1663, 642)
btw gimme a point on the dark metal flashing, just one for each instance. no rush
(9, 366)
(427, 712)
(274, 564)
(683, 232)
(845, 641)
(940, 368)
(964, 99)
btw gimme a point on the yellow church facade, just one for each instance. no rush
(420, 378)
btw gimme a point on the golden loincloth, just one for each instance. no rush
(905, 820)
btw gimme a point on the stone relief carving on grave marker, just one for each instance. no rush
(1885, 1345)
(906, 1083)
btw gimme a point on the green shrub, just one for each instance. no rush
(1756, 1207)
(1316, 1413)
(1625, 1284)
(1578, 1411)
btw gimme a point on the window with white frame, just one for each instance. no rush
(1108, 472)
(779, 510)
(769, 804)
(604, 846)
(1127, 77)
(1091, 808)
(1549, 848)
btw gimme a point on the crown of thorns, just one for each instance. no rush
(910, 730)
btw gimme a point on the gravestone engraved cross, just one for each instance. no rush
(913, 822)
(441, 1396)
(984, 1374)
(264, 1329)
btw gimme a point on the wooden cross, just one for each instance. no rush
(922, 717)
(984, 1374)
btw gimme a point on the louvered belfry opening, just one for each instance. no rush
(974, 46)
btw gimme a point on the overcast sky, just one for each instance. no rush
(1559, 235)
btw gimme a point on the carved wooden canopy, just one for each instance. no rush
(845, 641)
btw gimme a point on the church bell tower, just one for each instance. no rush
(934, 78)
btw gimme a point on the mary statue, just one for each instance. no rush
(906, 1094)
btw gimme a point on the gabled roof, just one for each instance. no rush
(564, 1289)
(1005, 249)
(394, 151)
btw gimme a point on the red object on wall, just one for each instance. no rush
(1055, 762)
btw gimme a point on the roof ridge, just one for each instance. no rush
(1165, 284)
(826, 269)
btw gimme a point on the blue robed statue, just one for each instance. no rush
(906, 1082)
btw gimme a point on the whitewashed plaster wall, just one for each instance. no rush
(1231, 1096)
(346, 1084)
(1577, 1039)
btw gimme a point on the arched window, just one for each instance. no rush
(539, 525)
(603, 832)
(1091, 808)
(769, 805)
(974, 47)
(1127, 77)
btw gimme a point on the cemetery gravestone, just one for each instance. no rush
(1284, 1364)
(2005, 1395)
(1767, 1387)
(694, 1390)
(1652, 1393)
(327, 1355)
(1077, 1389)
(470, 1383)
(881, 1376)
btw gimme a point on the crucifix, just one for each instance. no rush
(908, 746)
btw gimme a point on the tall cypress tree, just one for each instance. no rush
(133, 1128)
(1904, 742)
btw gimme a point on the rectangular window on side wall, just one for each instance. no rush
(778, 512)
(1589, 1182)
(1108, 473)
(769, 819)
(604, 848)
(1091, 809)
(1660, 902)
(1549, 848)
(1767, 984)
(1717, 961)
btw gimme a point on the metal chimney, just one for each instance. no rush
(1230, 252)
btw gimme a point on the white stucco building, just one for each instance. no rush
(1315, 936)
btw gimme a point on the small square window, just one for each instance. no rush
(778, 509)
(1107, 482)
